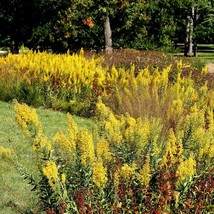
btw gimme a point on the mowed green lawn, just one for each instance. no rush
(15, 193)
(206, 57)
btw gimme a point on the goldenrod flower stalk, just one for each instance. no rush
(180, 66)
(99, 174)
(194, 129)
(155, 133)
(102, 111)
(116, 178)
(85, 145)
(175, 110)
(170, 149)
(103, 151)
(180, 149)
(63, 143)
(142, 81)
(5, 152)
(144, 174)
(125, 173)
(42, 142)
(204, 70)
(129, 132)
(142, 134)
(109, 123)
(165, 78)
(63, 178)
(113, 128)
(28, 120)
(135, 132)
(128, 171)
(210, 117)
(206, 145)
(187, 168)
(50, 170)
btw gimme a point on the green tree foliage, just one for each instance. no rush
(17, 20)
(72, 24)
(204, 26)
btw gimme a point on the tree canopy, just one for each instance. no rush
(72, 24)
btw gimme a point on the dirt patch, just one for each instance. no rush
(210, 68)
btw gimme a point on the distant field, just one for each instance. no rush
(205, 57)
(208, 57)
(204, 52)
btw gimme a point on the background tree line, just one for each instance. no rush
(98, 24)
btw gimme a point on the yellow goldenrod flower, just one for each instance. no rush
(72, 129)
(142, 134)
(154, 135)
(129, 133)
(210, 118)
(72, 102)
(46, 78)
(103, 151)
(42, 142)
(187, 168)
(116, 178)
(180, 65)
(165, 78)
(170, 149)
(99, 174)
(204, 70)
(206, 146)
(144, 174)
(63, 178)
(175, 110)
(128, 171)
(28, 120)
(63, 143)
(101, 110)
(51, 172)
(113, 129)
(85, 145)
(5, 152)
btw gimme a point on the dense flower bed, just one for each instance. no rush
(152, 147)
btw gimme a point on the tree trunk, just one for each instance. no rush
(108, 36)
(189, 34)
(195, 19)
(14, 48)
